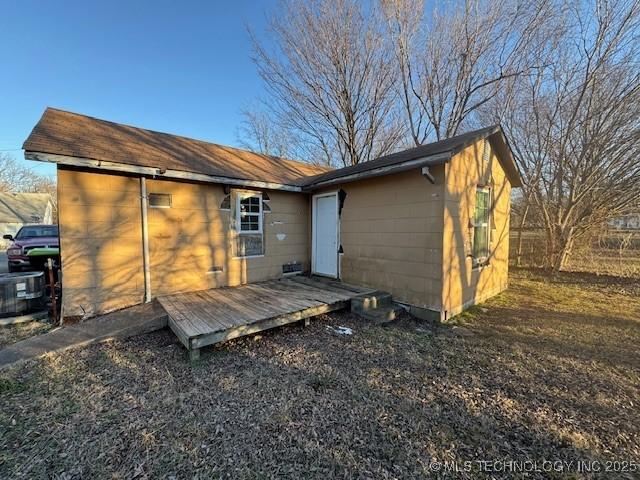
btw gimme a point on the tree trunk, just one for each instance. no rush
(564, 245)
(519, 241)
(549, 258)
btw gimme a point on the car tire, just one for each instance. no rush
(11, 268)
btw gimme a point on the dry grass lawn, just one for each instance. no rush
(14, 333)
(549, 370)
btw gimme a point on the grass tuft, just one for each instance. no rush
(9, 386)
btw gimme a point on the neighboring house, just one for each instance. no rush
(18, 209)
(626, 222)
(144, 214)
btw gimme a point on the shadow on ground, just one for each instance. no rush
(526, 379)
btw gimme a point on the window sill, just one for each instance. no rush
(481, 266)
(249, 256)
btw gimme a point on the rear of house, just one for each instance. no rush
(144, 214)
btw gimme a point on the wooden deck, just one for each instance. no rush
(210, 316)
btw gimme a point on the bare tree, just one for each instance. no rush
(574, 125)
(15, 177)
(18, 178)
(331, 79)
(261, 133)
(562, 77)
(454, 60)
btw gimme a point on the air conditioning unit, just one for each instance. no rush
(20, 292)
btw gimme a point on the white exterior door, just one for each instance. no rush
(325, 235)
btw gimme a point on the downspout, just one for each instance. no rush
(145, 240)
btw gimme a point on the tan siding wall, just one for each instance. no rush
(399, 233)
(101, 237)
(100, 242)
(193, 236)
(391, 233)
(464, 285)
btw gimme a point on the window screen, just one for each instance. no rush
(160, 200)
(249, 245)
(481, 226)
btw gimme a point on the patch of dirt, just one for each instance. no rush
(547, 371)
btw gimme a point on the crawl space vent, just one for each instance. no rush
(292, 268)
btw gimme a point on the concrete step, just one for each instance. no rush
(382, 315)
(371, 301)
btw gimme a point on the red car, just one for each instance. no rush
(27, 238)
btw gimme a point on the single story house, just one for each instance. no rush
(18, 209)
(144, 214)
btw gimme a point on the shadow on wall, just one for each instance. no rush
(191, 243)
(465, 285)
(101, 234)
(101, 241)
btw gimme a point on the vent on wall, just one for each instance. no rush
(295, 267)
(160, 200)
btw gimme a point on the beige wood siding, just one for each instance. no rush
(192, 237)
(463, 284)
(101, 240)
(391, 234)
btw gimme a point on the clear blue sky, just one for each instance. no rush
(182, 67)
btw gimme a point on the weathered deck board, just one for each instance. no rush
(211, 316)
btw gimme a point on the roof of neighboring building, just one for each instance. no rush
(67, 134)
(435, 153)
(23, 207)
(64, 133)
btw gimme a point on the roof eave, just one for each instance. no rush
(505, 156)
(431, 160)
(155, 172)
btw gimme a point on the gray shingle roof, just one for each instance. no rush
(451, 145)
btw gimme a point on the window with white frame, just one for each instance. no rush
(249, 212)
(481, 226)
(249, 224)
